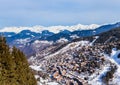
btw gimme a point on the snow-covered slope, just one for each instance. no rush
(54, 29)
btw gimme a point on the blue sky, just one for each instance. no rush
(58, 12)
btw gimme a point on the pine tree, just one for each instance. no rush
(14, 68)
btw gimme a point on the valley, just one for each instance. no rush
(80, 57)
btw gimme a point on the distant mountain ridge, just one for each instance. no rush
(25, 39)
(54, 29)
(47, 33)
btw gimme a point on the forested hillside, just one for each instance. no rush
(14, 68)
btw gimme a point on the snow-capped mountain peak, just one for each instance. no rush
(54, 29)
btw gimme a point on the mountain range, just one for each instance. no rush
(25, 37)
(88, 60)
(72, 55)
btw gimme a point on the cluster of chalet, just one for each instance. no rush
(68, 68)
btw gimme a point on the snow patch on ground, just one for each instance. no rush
(114, 58)
(35, 67)
(21, 41)
(44, 81)
(97, 79)
(69, 46)
(96, 37)
(45, 42)
(62, 40)
(74, 36)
